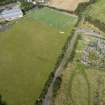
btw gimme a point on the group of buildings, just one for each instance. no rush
(11, 12)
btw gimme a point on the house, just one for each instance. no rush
(29, 0)
(11, 13)
(36, 1)
(40, 1)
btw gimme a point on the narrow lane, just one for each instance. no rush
(48, 97)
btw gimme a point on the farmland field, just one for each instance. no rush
(29, 52)
(69, 5)
(81, 85)
(97, 11)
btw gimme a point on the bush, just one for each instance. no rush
(25, 6)
(56, 85)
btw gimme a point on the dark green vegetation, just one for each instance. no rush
(25, 6)
(1, 101)
(56, 85)
(81, 85)
(29, 52)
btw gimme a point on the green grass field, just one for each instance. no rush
(29, 52)
(97, 11)
(81, 85)
(53, 18)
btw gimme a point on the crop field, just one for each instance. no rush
(97, 11)
(28, 53)
(81, 85)
(69, 5)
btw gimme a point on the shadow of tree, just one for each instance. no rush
(2, 102)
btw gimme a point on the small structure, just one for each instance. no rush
(35, 1)
(29, 0)
(11, 13)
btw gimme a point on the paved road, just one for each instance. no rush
(90, 32)
(48, 97)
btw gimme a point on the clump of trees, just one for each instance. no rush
(25, 6)
(39, 101)
(56, 85)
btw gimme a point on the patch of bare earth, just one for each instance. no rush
(69, 5)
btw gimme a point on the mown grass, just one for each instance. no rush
(81, 85)
(53, 18)
(97, 11)
(28, 53)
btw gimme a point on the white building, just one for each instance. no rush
(36, 1)
(29, 0)
(11, 13)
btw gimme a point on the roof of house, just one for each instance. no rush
(12, 12)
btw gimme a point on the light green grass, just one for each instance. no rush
(28, 53)
(59, 20)
(97, 11)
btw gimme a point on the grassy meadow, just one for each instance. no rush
(97, 11)
(81, 85)
(28, 53)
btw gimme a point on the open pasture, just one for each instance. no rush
(28, 53)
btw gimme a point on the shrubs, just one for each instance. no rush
(39, 101)
(57, 85)
(25, 6)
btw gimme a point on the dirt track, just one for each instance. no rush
(65, 4)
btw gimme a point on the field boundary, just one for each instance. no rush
(41, 98)
(81, 8)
